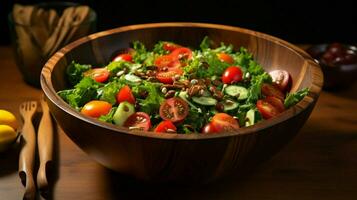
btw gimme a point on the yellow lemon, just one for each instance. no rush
(8, 118)
(7, 137)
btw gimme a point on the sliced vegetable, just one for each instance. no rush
(100, 75)
(206, 101)
(250, 118)
(174, 109)
(169, 46)
(182, 53)
(276, 102)
(125, 94)
(282, 79)
(167, 61)
(168, 76)
(138, 120)
(96, 108)
(232, 74)
(266, 109)
(123, 112)
(165, 127)
(230, 105)
(132, 78)
(270, 90)
(225, 58)
(236, 91)
(209, 128)
(223, 122)
(125, 57)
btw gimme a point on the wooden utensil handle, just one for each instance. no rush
(27, 157)
(45, 148)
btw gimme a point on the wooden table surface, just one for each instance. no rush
(320, 163)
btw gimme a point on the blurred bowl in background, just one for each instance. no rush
(38, 31)
(338, 63)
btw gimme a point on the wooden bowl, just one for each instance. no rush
(186, 158)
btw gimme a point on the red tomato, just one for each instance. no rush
(167, 61)
(96, 108)
(232, 74)
(98, 74)
(209, 128)
(270, 90)
(168, 76)
(169, 46)
(124, 56)
(182, 53)
(276, 102)
(164, 126)
(125, 94)
(223, 122)
(174, 109)
(267, 109)
(282, 79)
(225, 58)
(139, 120)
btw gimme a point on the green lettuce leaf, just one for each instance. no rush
(293, 98)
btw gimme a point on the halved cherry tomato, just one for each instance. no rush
(282, 79)
(96, 108)
(182, 53)
(98, 74)
(209, 128)
(174, 109)
(276, 102)
(271, 90)
(267, 109)
(125, 94)
(232, 74)
(124, 56)
(139, 120)
(223, 122)
(169, 46)
(167, 61)
(164, 126)
(168, 76)
(225, 58)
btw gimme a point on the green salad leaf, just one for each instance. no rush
(108, 117)
(75, 72)
(293, 98)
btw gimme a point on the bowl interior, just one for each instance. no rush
(272, 53)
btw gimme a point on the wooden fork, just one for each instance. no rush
(27, 154)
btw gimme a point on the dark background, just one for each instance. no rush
(295, 21)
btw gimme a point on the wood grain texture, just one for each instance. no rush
(319, 163)
(174, 157)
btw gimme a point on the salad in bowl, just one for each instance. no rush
(176, 89)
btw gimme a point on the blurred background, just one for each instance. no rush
(298, 21)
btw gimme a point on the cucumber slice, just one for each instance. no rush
(132, 78)
(206, 101)
(230, 105)
(183, 95)
(124, 110)
(234, 90)
(250, 117)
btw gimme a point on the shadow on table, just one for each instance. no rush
(124, 187)
(9, 161)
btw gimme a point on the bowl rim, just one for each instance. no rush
(307, 101)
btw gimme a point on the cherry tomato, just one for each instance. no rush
(266, 109)
(169, 46)
(232, 74)
(209, 128)
(139, 120)
(124, 56)
(270, 90)
(282, 79)
(168, 76)
(167, 61)
(100, 75)
(174, 109)
(96, 108)
(164, 126)
(276, 102)
(182, 53)
(125, 94)
(223, 122)
(225, 58)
